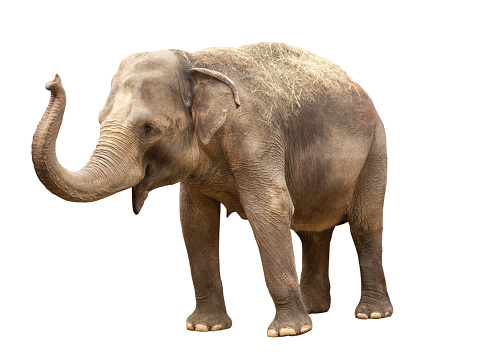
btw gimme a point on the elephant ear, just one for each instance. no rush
(214, 94)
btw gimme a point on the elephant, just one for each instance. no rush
(281, 136)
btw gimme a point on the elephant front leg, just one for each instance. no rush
(200, 219)
(269, 212)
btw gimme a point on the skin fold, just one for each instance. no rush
(279, 135)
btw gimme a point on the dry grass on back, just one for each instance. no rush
(281, 72)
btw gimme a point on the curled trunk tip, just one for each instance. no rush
(55, 84)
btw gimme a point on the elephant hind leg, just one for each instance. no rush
(366, 224)
(374, 302)
(314, 275)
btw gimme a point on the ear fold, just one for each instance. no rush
(214, 94)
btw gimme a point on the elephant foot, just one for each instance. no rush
(316, 302)
(369, 308)
(202, 321)
(286, 323)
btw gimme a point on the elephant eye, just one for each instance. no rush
(147, 129)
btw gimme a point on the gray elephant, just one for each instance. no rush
(277, 134)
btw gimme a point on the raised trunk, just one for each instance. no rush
(114, 165)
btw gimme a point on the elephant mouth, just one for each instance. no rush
(140, 191)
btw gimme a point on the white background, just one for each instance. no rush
(95, 281)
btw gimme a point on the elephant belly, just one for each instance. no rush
(318, 205)
(321, 184)
(310, 214)
(319, 215)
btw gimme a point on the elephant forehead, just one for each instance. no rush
(146, 85)
(120, 105)
(164, 59)
(151, 92)
(159, 61)
(146, 72)
(145, 99)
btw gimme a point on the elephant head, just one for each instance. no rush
(159, 112)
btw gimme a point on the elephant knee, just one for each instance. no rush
(273, 204)
(281, 203)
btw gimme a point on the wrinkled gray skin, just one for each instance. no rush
(265, 135)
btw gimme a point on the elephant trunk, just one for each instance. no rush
(114, 165)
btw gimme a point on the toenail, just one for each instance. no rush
(201, 328)
(361, 316)
(190, 326)
(305, 329)
(375, 315)
(217, 327)
(286, 331)
(272, 333)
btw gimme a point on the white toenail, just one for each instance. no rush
(305, 328)
(272, 333)
(286, 331)
(201, 328)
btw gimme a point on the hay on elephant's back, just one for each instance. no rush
(280, 72)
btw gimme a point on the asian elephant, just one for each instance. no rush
(277, 134)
